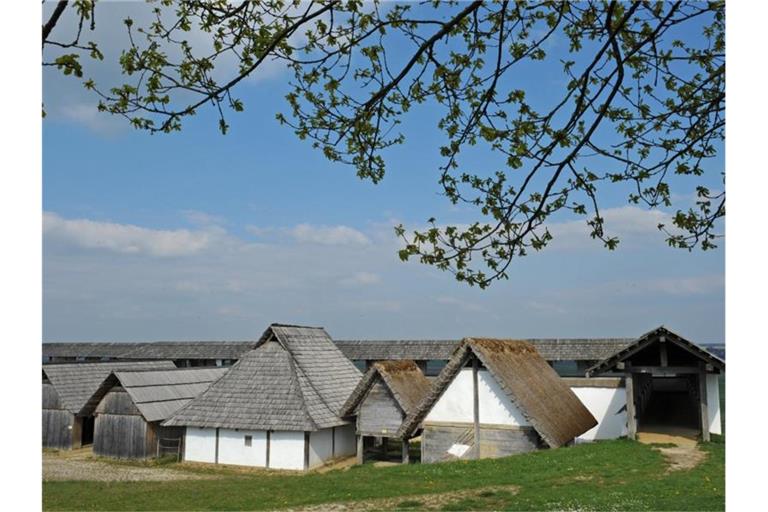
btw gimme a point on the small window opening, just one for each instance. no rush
(248, 440)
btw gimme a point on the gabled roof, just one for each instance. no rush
(403, 378)
(651, 337)
(295, 379)
(551, 349)
(528, 381)
(77, 382)
(157, 394)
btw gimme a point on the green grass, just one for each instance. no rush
(611, 475)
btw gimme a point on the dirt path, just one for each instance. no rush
(684, 455)
(416, 502)
(80, 465)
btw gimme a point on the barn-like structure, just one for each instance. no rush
(277, 407)
(130, 405)
(672, 384)
(66, 389)
(495, 398)
(387, 393)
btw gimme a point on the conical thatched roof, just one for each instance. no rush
(75, 383)
(295, 379)
(404, 380)
(527, 379)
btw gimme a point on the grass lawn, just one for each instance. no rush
(610, 475)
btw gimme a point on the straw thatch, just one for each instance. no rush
(77, 382)
(530, 383)
(295, 379)
(653, 336)
(157, 394)
(404, 380)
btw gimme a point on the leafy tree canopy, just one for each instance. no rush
(642, 104)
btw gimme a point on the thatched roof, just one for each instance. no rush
(151, 350)
(403, 378)
(295, 379)
(75, 383)
(157, 394)
(651, 337)
(528, 381)
(551, 349)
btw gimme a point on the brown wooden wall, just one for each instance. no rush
(120, 430)
(60, 426)
(379, 413)
(495, 441)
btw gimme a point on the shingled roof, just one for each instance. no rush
(75, 383)
(157, 394)
(403, 378)
(551, 349)
(650, 337)
(530, 383)
(151, 350)
(295, 379)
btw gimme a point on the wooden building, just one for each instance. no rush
(277, 407)
(66, 389)
(672, 384)
(495, 398)
(386, 394)
(129, 406)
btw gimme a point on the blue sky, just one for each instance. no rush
(202, 236)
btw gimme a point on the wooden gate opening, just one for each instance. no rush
(670, 405)
(87, 432)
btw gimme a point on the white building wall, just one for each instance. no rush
(232, 448)
(713, 404)
(456, 404)
(200, 444)
(608, 406)
(346, 442)
(286, 450)
(320, 447)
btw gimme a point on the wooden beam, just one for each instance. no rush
(406, 455)
(360, 449)
(216, 459)
(476, 406)
(306, 450)
(663, 370)
(384, 447)
(269, 441)
(663, 354)
(703, 405)
(631, 417)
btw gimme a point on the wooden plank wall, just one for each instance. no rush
(59, 425)
(379, 412)
(120, 430)
(499, 441)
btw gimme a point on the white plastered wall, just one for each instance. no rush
(232, 448)
(286, 450)
(713, 404)
(346, 442)
(200, 444)
(609, 407)
(320, 447)
(456, 403)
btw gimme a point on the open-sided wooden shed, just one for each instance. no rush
(387, 393)
(495, 398)
(129, 406)
(66, 389)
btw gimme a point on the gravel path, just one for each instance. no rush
(69, 466)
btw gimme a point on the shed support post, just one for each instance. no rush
(703, 405)
(631, 415)
(384, 447)
(406, 458)
(360, 449)
(476, 406)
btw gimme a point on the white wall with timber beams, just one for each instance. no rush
(200, 444)
(713, 404)
(456, 404)
(609, 407)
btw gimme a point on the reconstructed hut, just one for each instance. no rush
(66, 389)
(386, 394)
(672, 384)
(495, 398)
(277, 407)
(129, 406)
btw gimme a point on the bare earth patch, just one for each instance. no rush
(683, 455)
(415, 502)
(79, 465)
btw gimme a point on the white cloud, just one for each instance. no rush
(125, 238)
(361, 279)
(697, 285)
(328, 235)
(458, 303)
